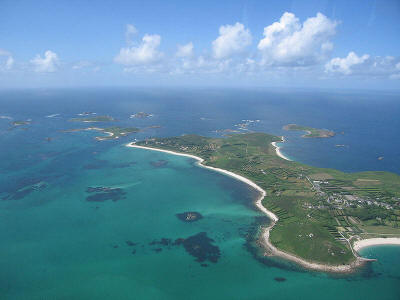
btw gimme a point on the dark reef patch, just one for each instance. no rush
(162, 242)
(105, 193)
(23, 187)
(178, 241)
(130, 243)
(97, 164)
(280, 279)
(190, 216)
(159, 163)
(201, 247)
(124, 165)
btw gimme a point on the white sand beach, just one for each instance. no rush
(278, 151)
(375, 242)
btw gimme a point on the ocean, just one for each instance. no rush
(84, 219)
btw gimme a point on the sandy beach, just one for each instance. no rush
(278, 151)
(271, 249)
(375, 242)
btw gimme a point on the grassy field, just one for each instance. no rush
(318, 209)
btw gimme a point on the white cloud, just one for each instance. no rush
(288, 42)
(4, 53)
(365, 65)
(344, 65)
(232, 39)
(48, 63)
(9, 60)
(130, 31)
(145, 53)
(185, 50)
(81, 64)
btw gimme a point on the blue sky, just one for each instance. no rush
(300, 43)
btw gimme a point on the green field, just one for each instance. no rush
(318, 209)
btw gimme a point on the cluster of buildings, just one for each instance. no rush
(342, 200)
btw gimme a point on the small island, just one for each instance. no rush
(310, 131)
(93, 119)
(20, 123)
(113, 132)
(190, 216)
(117, 132)
(141, 115)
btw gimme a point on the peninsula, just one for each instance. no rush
(310, 132)
(318, 216)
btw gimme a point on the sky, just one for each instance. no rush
(294, 44)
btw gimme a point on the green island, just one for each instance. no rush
(93, 119)
(310, 131)
(20, 123)
(321, 211)
(117, 132)
(113, 132)
(141, 115)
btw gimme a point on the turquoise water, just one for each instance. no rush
(55, 244)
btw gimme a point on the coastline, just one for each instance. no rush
(273, 251)
(278, 151)
(375, 242)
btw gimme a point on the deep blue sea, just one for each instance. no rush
(58, 241)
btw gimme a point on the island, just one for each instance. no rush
(310, 131)
(319, 217)
(20, 123)
(93, 119)
(141, 115)
(113, 132)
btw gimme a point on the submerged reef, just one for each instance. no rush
(201, 247)
(190, 216)
(101, 194)
(159, 163)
